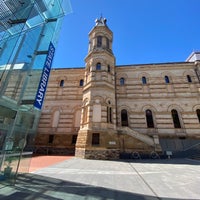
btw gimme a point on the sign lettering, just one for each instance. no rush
(44, 78)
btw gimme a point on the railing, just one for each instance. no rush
(144, 138)
(195, 145)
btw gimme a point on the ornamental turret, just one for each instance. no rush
(99, 106)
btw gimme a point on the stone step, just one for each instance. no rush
(144, 138)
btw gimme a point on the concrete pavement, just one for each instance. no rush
(78, 179)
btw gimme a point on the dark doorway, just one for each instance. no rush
(124, 117)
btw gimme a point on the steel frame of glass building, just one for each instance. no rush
(29, 32)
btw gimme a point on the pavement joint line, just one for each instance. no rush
(146, 183)
(60, 186)
(98, 173)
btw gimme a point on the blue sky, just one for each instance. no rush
(144, 31)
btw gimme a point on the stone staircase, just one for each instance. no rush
(151, 141)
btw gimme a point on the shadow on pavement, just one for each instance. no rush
(177, 161)
(35, 187)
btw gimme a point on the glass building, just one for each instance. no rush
(29, 31)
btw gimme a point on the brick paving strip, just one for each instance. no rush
(39, 162)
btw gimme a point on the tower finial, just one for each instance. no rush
(101, 22)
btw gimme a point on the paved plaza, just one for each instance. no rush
(78, 179)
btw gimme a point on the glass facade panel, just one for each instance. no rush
(7, 46)
(26, 30)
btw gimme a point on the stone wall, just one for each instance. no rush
(99, 154)
(134, 96)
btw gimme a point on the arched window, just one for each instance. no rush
(99, 41)
(198, 114)
(166, 79)
(108, 68)
(109, 113)
(149, 119)
(124, 117)
(175, 118)
(144, 80)
(122, 81)
(90, 45)
(189, 79)
(62, 82)
(98, 66)
(81, 82)
(107, 43)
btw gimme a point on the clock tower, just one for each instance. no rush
(97, 138)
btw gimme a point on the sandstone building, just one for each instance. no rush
(103, 110)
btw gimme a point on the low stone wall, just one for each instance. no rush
(104, 154)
